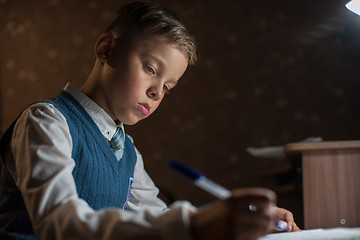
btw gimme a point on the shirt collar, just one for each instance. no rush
(103, 121)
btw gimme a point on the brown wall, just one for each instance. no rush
(269, 72)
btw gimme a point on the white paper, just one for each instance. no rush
(354, 6)
(317, 234)
(275, 152)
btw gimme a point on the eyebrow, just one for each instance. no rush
(155, 58)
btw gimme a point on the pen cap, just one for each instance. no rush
(185, 169)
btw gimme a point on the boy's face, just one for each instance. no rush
(136, 77)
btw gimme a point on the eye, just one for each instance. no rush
(150, 69)
(166, 89)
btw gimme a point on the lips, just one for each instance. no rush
(144, 108)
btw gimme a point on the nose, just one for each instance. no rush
(154, 92)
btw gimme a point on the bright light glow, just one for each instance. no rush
(354, 6)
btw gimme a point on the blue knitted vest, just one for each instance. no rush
(101, 180)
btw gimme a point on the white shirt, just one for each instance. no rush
(41, 165)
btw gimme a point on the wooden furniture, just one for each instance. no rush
(331, 182)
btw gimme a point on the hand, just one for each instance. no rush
(287, 216)
(233, 219)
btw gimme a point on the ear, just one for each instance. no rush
(104, 46)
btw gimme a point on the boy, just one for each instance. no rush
(70, 171)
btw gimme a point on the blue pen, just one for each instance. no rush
(199, 179)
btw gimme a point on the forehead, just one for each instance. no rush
(158, 50)
(168, 57)
(157, 47)
(154, 42)
(161, 44)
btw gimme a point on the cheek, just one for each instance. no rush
(120, 87)
(126, 86)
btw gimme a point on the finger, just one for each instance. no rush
(257, 214)
(289, 217)
(253, 216)
(295, 228)
(283, 214)
(255, 192)
(254, 198)
(257, 223)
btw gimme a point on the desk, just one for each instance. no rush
(331, 182)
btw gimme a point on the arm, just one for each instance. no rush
(41, 146)
(144, 192)
(249, 225)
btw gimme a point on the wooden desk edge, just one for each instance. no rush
(304, 146)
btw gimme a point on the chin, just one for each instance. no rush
(134, 119)
(131, 121)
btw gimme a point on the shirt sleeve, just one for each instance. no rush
(144, 192)
(42, 169)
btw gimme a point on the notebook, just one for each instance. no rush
(317, 234)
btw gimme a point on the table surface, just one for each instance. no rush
(325, 145)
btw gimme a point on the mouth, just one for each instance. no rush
(144, 108)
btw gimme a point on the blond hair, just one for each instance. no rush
(146, 19)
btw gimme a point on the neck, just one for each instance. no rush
(94, 90)
(92, 83)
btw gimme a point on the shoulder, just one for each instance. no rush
(41, 124)
(138, 154)
(42, 110)
(40, 115)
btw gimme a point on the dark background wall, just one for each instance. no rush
(269, 73)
